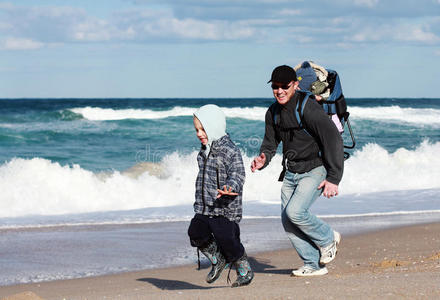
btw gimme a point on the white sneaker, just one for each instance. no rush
(328, 253)
(309, 271)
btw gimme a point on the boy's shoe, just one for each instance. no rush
(328, 253)
(244, 272)
(217, 269)
(305, 271)
(218, 261)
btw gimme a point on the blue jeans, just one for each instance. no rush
(305, 231)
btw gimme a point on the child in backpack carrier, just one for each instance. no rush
(214, 230)
(313, 78)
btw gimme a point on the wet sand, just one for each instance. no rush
(399, 263)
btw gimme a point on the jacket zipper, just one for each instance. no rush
(203, 183)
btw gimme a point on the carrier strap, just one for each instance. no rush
(299, 111)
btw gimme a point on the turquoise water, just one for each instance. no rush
(95, 186)
(109, 134)
(74, 156)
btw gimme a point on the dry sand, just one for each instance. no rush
(401, 263)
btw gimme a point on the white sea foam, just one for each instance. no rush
(413, 116)
(41, 187)
(104, 114)
(391, 213)
(374, 169)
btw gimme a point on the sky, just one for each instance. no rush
(215, 48)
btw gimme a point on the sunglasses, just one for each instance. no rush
(284, 87)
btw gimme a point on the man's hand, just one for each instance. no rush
(258, 162)
(225, 192)
(330, 189)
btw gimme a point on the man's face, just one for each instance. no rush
(200, 131)
(284, 92)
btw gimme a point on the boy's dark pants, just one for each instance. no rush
(226, 233)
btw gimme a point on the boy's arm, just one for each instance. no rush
(235, 173)
(234, 180)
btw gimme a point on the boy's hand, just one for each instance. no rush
(226, 192)
(258, 162)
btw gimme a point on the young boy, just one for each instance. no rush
(214, 229)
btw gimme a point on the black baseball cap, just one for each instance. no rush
(283, 74)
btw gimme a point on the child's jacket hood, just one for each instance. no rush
(213, 121)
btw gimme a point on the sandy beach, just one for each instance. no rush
(398, 263)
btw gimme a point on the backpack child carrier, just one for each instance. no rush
(324, 84)
(318, 82)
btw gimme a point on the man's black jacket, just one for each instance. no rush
(302, 151)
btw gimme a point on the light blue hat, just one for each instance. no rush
(213, 121)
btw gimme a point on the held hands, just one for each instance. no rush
(330, 189)
(258, 162)
(225, 192)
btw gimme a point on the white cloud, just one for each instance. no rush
(5, 26)
(419, 35)
(290, 12)
(394, 33)
(6, 6)
(92, 30)
(370, 35)
(56, 12)
(251, 20)
(197, 30)
(20, 44)
(367, 3)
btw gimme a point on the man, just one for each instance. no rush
(313, 163)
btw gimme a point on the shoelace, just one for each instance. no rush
(198, 259)
(329, 251)
(228, 281)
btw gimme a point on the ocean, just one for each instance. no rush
(97, 186)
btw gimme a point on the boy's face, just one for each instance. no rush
(201, 134)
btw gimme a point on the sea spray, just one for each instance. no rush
(387, 114)
(41, 187)
(396, 114)
(374, 169)
(107, 114)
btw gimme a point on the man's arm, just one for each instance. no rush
(269, 145)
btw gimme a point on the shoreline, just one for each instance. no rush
(68, 252)
(396, 263)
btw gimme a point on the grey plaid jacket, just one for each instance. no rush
(222, 166)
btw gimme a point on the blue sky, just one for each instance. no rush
(215, 48)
